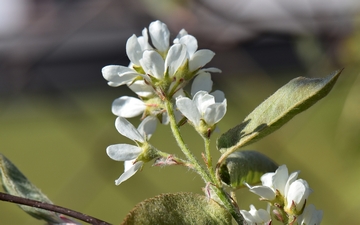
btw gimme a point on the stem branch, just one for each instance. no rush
(176, 132)
(206, 175)
(53, 208)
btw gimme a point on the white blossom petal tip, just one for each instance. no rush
(128, 130)
(129, 172)
(128, 107)
(123, 152)
(160, 35)
(118, 75)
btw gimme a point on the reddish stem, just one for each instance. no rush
(53, 208)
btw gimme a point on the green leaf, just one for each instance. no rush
(245, 167)
(293, 98)
(178, 208)
(15, 183)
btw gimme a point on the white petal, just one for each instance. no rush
(160, 35)
(203, 100)
(133, 50)
(280, 178)
(175, 58)
(214, 113)
(310, 216)
(219, 96)
(264, 192)
(123, 152)
(128, 130)
(181, 34)
(165, 118)
(128, 164)
(211, 70)
(191, 44)
(141, 88)
(290, 180)
(188, 108)
(267, 179)
(127, 107)
(263, 215)
(148, 126)
(247, 216)
(202, 82)
(118, 75)
(129, 173)
(153, 64)
(200, 59)
(144, 40)
(299, 191)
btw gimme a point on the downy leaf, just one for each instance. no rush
(178, 208)
(243, 167)
(15, 183)
(291, 99)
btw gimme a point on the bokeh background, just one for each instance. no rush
(55, 118)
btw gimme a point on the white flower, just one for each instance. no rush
(129, 153)
(256, 217)
(203, 107)
(310, 216)
(197, 59)
(203, 82)
(280, 182)
(272, 182)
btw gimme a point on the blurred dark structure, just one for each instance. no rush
(50, 45)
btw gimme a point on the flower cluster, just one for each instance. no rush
(157, 73)
(288, 196)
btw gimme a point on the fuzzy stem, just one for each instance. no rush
(52, 208)
(207, 176)
(176, 132)
(209, 161)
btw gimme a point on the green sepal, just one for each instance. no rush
(178, 208)
(15, 183)
(243, 167)
(138, 69)
(291, 99)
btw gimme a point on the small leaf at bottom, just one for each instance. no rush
(15, 183)
(178, 208)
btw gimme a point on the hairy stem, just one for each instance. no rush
(176, 132)
(53, 208)
(209, 162)
(206, 175)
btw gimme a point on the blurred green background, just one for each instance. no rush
(55, 118)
